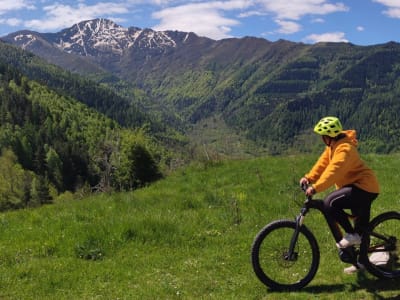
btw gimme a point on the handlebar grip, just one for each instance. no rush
(304, 187)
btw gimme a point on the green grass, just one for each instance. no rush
(185, 237)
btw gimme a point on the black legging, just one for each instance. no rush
(348, 197)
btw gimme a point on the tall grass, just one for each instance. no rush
(188, 237)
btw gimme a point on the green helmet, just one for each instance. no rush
(330, 126)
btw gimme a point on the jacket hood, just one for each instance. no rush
(351, 137)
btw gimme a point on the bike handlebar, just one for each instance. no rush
(304, 187)
(310, 202)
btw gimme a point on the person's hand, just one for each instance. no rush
(310, 191)
(304, 181)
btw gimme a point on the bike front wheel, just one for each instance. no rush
(381, 252)
(271, 262)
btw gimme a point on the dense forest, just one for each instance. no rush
(277, 96)
(102, 132)
(52, 143)
(127, 112)
(359, 84)
(271, 93)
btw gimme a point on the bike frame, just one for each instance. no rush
(373, 240)
(347, 255)
(317, 204)
(299, 223)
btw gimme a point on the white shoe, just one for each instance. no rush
(354, 269)
(350, 239)
(380, 258)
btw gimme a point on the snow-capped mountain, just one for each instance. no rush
(101, 36)
(106, 46)
(148, 59)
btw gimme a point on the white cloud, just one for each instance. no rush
(318, 20)
(288, 27)
(296, 9)
(251, 13)
(360, 28)
(389, 3)
(60, 15)
(393, 13)
(326, 37)
(205, 19)
(393, 10)
(13, 5)
(287, 12)
(11, 21)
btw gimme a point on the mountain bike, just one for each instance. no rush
(285, 254)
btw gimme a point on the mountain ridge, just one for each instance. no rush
(100, 34)
(94, 46)
(271, 92)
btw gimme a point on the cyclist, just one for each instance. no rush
(356, 184)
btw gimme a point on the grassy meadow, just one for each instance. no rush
(185, 237)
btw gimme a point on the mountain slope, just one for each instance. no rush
(126, 111)
(98, 42)
(37, 44)
(51, 140)
(271, 92)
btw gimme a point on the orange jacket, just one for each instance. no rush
(340, 164)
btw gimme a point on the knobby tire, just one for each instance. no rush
(384, 225)
(268, 256)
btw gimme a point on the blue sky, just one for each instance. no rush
(361, 22)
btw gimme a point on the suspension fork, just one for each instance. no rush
(291, 255)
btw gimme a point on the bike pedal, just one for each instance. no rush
(348, 255)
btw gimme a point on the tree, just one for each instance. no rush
(135, 165)
(143, 168)
(40, 191)
(13, 182)
(54, 168)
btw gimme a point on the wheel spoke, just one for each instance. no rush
(384, 247)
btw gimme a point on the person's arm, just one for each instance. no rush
(338, 167)
(319, 167)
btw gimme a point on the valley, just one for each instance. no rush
(267, 92)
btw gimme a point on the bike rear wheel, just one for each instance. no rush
(382, 246)
(270, 260)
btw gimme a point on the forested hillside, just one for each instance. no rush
(125, 112)
(276, 93)
(270, 92)
(52, 143)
